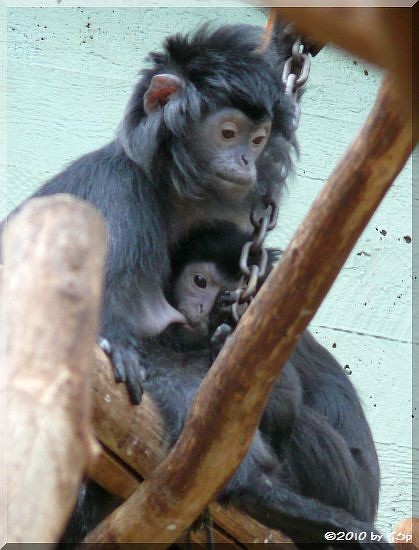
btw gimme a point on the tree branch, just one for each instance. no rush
(54, 253)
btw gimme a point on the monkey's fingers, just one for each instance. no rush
(228, 297)
(129, 367)
(136, 375)
(274, 255)
(221, 334)
(114, 355)
(117, 357)
(218, 338)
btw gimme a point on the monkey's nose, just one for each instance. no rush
(245, 160)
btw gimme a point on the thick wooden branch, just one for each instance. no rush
(137, 436)
(227, 409)
(114, 476)
(54, 252)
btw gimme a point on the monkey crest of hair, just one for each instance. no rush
(216, 68)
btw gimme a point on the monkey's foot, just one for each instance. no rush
(129, 364)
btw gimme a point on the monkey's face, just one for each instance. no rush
(195, 293)
(227, 145)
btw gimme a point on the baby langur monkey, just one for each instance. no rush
(205, 278)
(205, 282)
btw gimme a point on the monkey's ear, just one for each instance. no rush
(162, 87)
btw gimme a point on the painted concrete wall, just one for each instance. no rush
(69, 75)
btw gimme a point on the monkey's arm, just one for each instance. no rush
(129, 314)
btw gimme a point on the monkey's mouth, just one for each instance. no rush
(241, 183)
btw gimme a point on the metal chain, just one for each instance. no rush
(254, 257)
(295, 75)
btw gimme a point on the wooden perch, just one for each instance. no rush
(54, 252)
(226, 411)
(137, 436)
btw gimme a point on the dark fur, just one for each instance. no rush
(314, 410)
(148, 185)
(218, 243)
(299, 475)
(93, 505)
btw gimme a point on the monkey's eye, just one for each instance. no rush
(260, 136)
(228, 130)
(258, 140)
(200, 281)
(228, 134)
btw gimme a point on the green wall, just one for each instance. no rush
(69, 75)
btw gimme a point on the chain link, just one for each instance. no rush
(254, 257)
(295, 75)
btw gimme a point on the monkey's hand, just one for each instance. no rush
(218, 338)
(220, 322)
(129, 364)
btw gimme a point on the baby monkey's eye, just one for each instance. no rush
(258, 140)
(200, 281)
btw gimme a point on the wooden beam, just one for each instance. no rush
(114, 476)
(54, 253)
(226, 411)
(137, 437)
